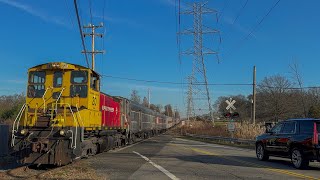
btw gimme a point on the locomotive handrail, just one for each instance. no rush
(74, 120)
(16, 127)
(82, 130)
(43, 98)
(59, 99)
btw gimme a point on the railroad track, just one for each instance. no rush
(41, 172)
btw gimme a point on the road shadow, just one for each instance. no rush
(243, 161)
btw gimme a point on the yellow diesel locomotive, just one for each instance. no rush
(66, 117)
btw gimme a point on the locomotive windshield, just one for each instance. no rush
(36, 84)
(57, 79)
(79, 86)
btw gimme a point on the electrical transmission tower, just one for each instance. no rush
(93, 35)
(198, 95)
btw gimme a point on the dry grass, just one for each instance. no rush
(244, 130)
(77, 170)
(248, 131)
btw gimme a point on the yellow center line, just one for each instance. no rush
(281, 171)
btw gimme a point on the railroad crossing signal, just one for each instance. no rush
(231, 103)
(231, 115)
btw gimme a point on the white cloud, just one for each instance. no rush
(35, 12)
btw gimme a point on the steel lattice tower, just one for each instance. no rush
(198, 95)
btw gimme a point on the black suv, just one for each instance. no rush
(297, 139)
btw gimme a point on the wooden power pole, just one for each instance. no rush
(92, 34)
(254, 96)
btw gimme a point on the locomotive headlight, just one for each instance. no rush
(62, 132)
(24, 132)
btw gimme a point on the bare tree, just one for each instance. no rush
(159, 108)
(168, 110)
(135, 97)
(145, 102)
(297, 77)
(274, 99)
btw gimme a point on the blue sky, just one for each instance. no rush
(140, 41)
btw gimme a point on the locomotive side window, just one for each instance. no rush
(36, 84)
(79, 86)
(94, 83)
(79, 77)
(57, 79)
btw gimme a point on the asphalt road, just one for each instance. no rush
(166, 157)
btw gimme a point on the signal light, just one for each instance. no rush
(227, 115)
(231, 115)
(235, 115)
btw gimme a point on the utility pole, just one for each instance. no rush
(198, 82)
(254, 96)
(93, 35)
(149, 97)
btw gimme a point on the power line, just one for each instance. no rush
(69, 11)
(260, 22)
(171, 82)
(239, 13)
(224, 7)
(81, 34)
(210, 84)
(257, 25)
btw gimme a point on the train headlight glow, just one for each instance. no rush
(62, 133)
(23, 132)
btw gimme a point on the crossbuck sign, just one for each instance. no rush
(230, 103)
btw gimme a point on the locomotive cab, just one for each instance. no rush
(57, 87)
(62, 103)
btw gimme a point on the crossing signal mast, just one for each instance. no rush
(93, 35)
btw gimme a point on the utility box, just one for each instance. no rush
(4, 140)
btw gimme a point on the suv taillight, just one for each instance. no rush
(315, 139)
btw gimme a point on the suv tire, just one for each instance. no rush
(261, 153)
(298, 160)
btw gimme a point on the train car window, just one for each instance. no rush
(79, 77)
(37, 77)
(57, 79)
(79, 91)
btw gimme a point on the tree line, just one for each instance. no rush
(166, 110)
(278, 98)
(10, 106)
